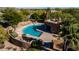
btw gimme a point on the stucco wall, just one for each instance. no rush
(54, 27)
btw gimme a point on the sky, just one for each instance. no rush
(39, 3)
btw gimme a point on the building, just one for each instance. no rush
(54, 25)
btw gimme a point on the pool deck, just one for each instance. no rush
(44, 36)
(47, 37)
(20, 26)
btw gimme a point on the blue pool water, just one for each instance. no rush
(32, 29)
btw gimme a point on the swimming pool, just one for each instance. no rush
(32, 29)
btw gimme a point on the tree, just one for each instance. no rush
(40, 11)
(72, 35)
(76, 17)
(55, 15)
(3, 35)
(12, 16)
(37, 43)
(39, 17)
(58, 9)
(74, 30)
(69, 10)
(67, 20)
(72, 11)
(43, 16)
(25, 12)
(71, 30)
(74, 40)
(35, 16)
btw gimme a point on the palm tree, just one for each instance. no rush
(72, 39)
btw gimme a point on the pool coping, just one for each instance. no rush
(28, 35)
(32, 35)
